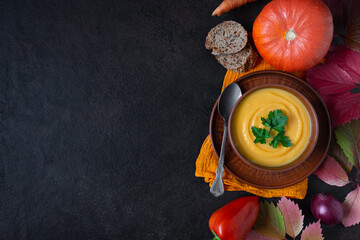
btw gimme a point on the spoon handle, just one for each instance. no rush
(217, 187)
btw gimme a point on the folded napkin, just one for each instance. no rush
(207, 160)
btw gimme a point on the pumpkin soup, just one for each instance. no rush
(248, 114)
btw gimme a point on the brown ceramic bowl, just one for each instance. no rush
(313, 134)
(261, 177)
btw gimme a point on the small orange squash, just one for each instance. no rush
(293, 35)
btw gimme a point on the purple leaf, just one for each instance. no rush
(332, 173)
(333, 81)
(342, 107)
(346, 59)
(312, 232)
(351, 207)
(324, 77)
(252, 235)
(293, 217)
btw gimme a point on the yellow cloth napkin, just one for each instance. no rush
(207, 161)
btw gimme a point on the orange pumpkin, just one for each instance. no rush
(293, 35)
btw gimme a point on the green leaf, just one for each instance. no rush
(280, 138)
(279, 128)
(270, 221)
(260, 134)
(338, 154)
(293, 218)
(266, 122)
(274, 143)
(277, 119)
(286, 142)
(348, 137)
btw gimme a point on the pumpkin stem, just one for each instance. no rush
(290, 35)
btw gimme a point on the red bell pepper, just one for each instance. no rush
(234, 220)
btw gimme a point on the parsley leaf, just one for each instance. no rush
(266, 122)
(279, 138)
(260, 134)
(276, 120)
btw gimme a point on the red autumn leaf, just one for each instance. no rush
(325, 77)
(351, 207)
(332, 173)
(312, 232)
(293, 217)
(344, 58)
(343, 107)
(334, 79)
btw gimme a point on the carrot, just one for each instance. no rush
(227, 5)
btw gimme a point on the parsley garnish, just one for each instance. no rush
(260, 134)
(279, 138)
(276, 120)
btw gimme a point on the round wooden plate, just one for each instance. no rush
(263, 178)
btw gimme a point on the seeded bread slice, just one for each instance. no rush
(250, 64)
(241, 61)
(226, 38)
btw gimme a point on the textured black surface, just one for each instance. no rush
(104, 106)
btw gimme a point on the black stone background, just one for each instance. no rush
(104, 105)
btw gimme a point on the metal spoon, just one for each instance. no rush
(226, 102)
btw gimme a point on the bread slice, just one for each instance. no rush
(226, 38)
(241, 61)
(250, 64)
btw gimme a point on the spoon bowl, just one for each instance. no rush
(227, 100)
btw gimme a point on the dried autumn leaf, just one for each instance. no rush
(252, 235)
(270, 222)
(351, 207)
(338, 154)
(348, 137)
(325, 77)
(344, 107)
(293, 217)
(312, 232)
(346, 59)
(352, 25)
(335, 82)
(332, 173)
